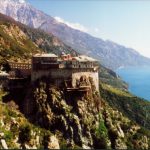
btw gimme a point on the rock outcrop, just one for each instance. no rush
(75, 114)
(83, 119)
(69, 119)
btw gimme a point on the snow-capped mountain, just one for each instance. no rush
(23, 12)
(110, 54)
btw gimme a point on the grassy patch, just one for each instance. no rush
(116, 90)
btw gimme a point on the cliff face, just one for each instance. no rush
(75, 114)
(68, 120)
(16, 132)
(84, 120)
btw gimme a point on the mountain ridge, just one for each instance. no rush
(40, 40)
(46, 43)
(109, 54)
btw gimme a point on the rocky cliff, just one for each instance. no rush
(55, 118)
(84, 120)
(75, 114)
(16, 132)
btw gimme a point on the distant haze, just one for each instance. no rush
(124, 22)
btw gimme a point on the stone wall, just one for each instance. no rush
(60, 75)
(93, 75)
(52, 73)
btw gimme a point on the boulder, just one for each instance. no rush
(37, 140)
(4, 145)
(1, 134)
(120, 131)
(53, 143)
(2, 122)
(27, 146)
(119, 144)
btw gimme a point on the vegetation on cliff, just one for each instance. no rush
(14, 43)
(85, 119)
(75, 115)
(17, 132)
(33, 39)
(109, 77)
(133, 107)
(70, 120)
(123, 132)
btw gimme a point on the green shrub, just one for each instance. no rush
(12, 113)
(25, 133)
(8, 136)
(63, 144)
(102, 130)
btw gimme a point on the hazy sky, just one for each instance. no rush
(126, 22)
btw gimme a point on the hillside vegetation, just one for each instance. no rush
(76, 120)
(14, 43)
(46, 42)
(109, 77)
(133, 107)
(16, 132)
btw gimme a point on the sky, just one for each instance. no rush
(126, 22)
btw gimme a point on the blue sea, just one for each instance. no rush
(138, 79)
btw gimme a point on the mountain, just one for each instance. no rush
(20, 41)
(14, 43)
(110, 54)
(21, 46)
(51, 118)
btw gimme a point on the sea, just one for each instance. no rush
(138, 79)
